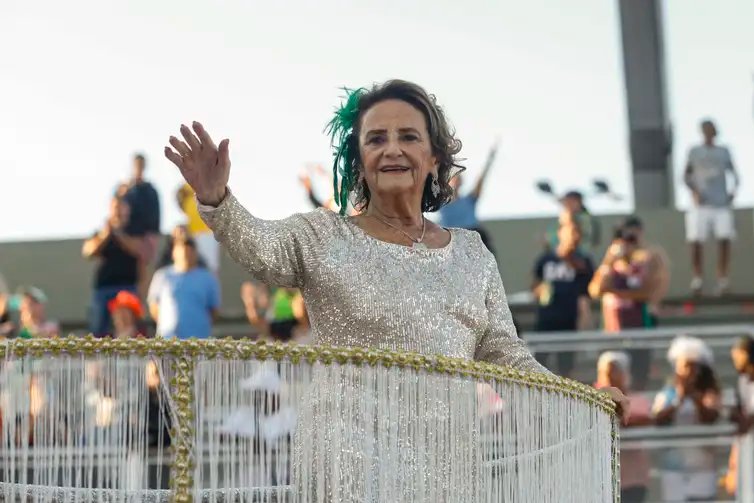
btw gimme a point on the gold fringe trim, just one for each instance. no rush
(186, 352)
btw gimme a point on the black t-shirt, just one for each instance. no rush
(117, 267)
(145, 209)
(566, 284)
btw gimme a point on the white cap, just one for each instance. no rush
(621, 359)
(691, 348)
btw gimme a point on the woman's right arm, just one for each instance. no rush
(272, 251)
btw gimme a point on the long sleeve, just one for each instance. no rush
(273, 251)
(500, 343)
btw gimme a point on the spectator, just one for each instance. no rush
(625, 282)
(144, 220)
(118, 253)
(706, 177)
(3, 286)
(574, 211)
(280, 316)
(693, 398)
(658, 262)
(613, 369)
(180, 233)
(305, 178)
(184, 298)
(742, 355)
(127, 313)
(461, 212)
(33, 319)
(256, 301)
(306, 181)
(561, 281)
(122, 189)
(208, 247)
(6, 324)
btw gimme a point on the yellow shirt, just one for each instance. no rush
(187, 201)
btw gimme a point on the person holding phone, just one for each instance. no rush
(691, 398)
(625, 282)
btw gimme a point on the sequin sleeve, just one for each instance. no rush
(273, 251)
(500, 343)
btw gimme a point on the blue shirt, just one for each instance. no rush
(460, 213)
(185, 300)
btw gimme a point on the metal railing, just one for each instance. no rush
(715, 336)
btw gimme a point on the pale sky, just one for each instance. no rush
(87, 83)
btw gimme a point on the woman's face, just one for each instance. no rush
(31, 310)
(180, 232)
(613, 375)
(123, 319)
(740, 359)
(686, 369)
(395, 149)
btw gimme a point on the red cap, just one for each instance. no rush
(129, 301)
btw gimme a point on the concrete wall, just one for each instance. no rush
(57, 266)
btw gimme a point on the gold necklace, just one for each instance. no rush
(416, 243)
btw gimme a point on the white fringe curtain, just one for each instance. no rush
(233, 421)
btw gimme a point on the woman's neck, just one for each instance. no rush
(399, 211)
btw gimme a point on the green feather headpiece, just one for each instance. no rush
(340, 129)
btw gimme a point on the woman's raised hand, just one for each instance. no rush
(203, 165)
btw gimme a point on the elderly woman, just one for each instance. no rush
(614, 370)
(387, 277)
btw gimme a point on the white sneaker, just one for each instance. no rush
(696, 285)
(722, 286)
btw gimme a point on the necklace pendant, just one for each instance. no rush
(419, 246)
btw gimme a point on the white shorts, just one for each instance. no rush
(703, 221)
(209, 250)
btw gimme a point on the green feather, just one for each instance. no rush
(340, 129)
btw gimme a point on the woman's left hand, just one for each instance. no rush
(622, 402)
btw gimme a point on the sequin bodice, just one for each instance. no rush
(360, 291)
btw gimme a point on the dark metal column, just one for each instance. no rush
(650, 134)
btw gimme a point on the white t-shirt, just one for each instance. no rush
(709, 167)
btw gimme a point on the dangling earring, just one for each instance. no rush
(435, 186)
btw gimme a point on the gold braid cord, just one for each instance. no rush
(193, 349)
(182, 469)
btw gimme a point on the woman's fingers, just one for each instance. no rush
(224, 155)
(173, 157)
(179, 146)
(192, 140)
(203, 135)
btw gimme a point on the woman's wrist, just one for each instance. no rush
(213, 200)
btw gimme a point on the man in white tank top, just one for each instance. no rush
(707, 171)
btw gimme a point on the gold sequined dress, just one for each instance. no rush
(360, 291)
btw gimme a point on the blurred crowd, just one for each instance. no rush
(140, 290)
(692, 396)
